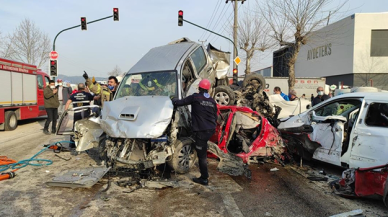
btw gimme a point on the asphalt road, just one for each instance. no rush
(282, 193)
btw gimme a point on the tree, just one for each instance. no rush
(5, 47)
(293, 21)
(253, 36)
(28, 44)
(115, 72)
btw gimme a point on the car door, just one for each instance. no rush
(41, 86)
(329, 123)
(370, 136)
(66, 123)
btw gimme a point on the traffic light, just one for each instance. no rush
(83, 23)
(235, 71)
(180, 18)
(53, 68)
(115, 14)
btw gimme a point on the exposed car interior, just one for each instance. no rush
(377, 115)
(244, 129)
(345, 108)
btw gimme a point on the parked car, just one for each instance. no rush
(348, 130)
(246, 134)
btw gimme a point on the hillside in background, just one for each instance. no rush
(78, 79)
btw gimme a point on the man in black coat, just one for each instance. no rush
(204, 122)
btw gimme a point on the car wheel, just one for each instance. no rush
(255, 79)
(11, 121)
(224, 95)
(183, 157)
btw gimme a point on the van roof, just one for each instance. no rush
(163, 58)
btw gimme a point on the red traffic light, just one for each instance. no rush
(115, 14)
(180, 13)
(235, 71)
(53, 62)
(82, 19)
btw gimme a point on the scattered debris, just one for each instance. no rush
(274, 169)
(363, 182)
(317, 178)
(268, 214)
(66, 159)
(355, 213)
(82, 178)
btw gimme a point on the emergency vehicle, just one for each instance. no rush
(21, 96)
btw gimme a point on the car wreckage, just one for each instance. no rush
(348, 130)
(140, 128)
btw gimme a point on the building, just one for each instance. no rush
(353, 51)
(266, 72)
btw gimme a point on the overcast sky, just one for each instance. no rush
(142, 26)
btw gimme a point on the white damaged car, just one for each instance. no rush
(349, 130)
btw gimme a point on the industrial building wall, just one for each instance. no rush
(368, 58)
(328, 52)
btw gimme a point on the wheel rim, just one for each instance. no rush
(222, 98)
(12, 121)
(185, 156)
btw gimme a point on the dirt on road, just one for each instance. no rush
(281, 193)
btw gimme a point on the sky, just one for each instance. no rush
(142, 26)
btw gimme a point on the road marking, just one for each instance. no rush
(231, 205)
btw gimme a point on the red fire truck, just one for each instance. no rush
(21, 94)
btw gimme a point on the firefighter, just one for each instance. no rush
(204, 117)
(103, 93)
(149, 86)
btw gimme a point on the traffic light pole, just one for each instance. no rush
(76, 27)
(235, 77)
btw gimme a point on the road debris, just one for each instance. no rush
(363, 182)
(82, 178)
(354, 213)
(274, 169)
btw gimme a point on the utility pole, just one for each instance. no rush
(235, 29)
(202, 41)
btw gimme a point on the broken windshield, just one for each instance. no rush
(149, 84)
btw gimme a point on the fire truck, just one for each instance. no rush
(21, 94)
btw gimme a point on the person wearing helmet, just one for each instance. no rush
(204, 117)
(150, 86)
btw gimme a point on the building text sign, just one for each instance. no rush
(318, 52)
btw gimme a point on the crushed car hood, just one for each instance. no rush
(220, 60)
(137, 117)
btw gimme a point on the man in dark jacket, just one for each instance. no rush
(51, 104)
(320, 97)
(204, 117)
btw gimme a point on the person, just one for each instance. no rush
(103, 93)
(204, 116)
(51, 104)
(150, 86)
(320, 97)
(63, 95)
(277, 90)
(312, 97)
(303, 96)
(81, 98)
(293, 95)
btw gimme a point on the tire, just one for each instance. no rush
(183, 157)
(254, 76)
(224, 95)
(11, 121)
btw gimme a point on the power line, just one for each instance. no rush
(211, 18)
(218, 20)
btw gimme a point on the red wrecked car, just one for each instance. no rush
(246, 134)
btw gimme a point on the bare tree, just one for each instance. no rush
(115, 72)
(5, 47)
(253, 36)
(293, 21)
(29, 44)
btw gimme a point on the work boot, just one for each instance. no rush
(53, 131)
(201, 181)
(45, 131)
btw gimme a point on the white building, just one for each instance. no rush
(353, 50)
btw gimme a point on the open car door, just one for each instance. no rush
(66, 123)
